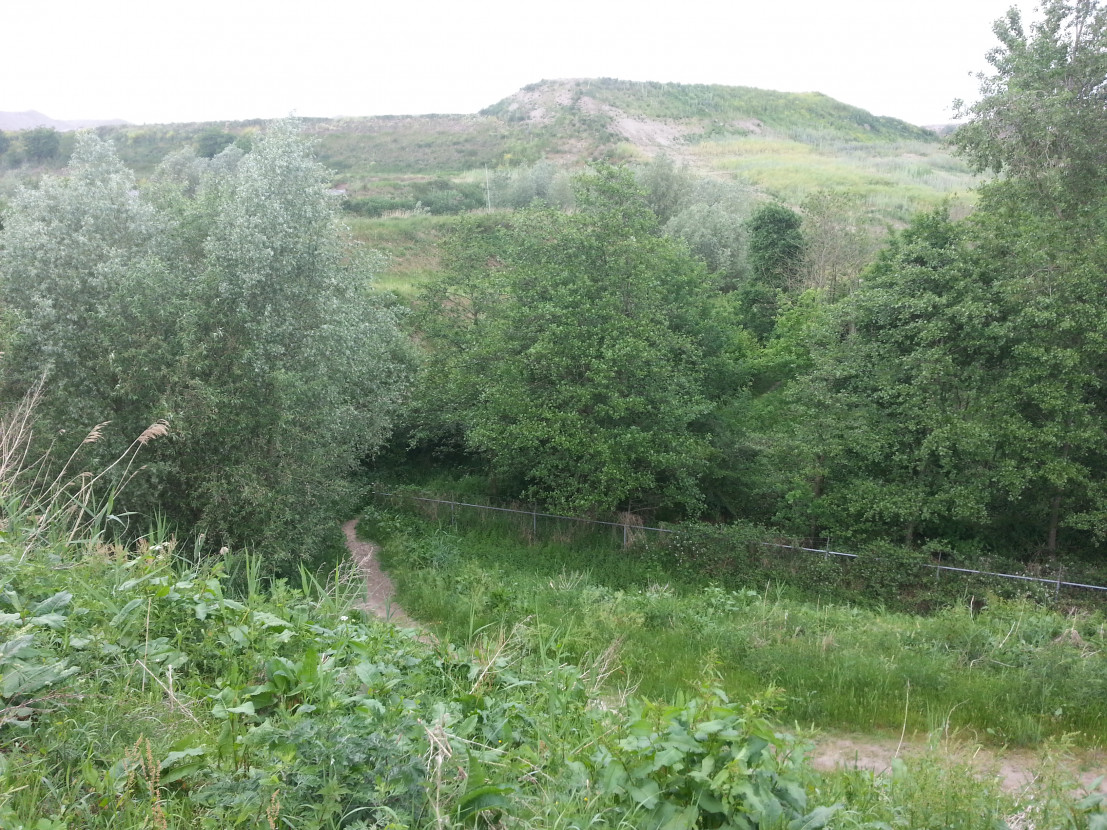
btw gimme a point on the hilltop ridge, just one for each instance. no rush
(695, 111)
(30, 119)
(780, 143)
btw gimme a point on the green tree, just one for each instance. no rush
(836, 244)
(40, 144)
(1042, 114)
(1041, 122)
(774, 254)
(296, 369)
(775, 245)
(70, 251)
(667, 186)
(213, 141)
(5, 142)
(712, 222)
(903, 418)
(569, 351)
(227, 301)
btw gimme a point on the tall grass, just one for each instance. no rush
(1011, 673)
(41, 500)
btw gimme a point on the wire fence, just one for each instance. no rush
(629, 531)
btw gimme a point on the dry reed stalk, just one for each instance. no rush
(16, 432)
(273, 811)
(140, 757)
(632, 524)
(438, 752)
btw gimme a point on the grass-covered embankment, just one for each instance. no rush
(138, 689)
(1010, 672)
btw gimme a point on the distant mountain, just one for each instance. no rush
(29, 120)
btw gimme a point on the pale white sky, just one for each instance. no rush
(153, 61)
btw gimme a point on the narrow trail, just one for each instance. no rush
(379, 590)
(1016, 769)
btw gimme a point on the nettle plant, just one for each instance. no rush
(705, 762)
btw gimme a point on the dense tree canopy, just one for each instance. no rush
(569, 351)
(1042, 114)
(224, 299)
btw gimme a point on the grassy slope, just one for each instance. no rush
(787, 144)
(1015, 673)
(262, 705)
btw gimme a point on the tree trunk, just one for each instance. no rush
(1054, 520)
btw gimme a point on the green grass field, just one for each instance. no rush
(1014, 673)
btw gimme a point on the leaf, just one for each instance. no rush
(17, 646)
(816, 819)
(178, 769)
(55, 622)
(52, 604)
(267, 620)
(125, 612)
(684, 820)
(645, 794)
(482, 799)
(23, 679)
(710, 728)
(308, 673)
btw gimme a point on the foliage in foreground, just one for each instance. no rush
(266, 705)
(275, 709)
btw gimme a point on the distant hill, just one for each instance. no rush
(29, 120)
(784, 145)
(699, 111)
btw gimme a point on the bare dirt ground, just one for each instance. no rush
(1015, 769)
(379, 591)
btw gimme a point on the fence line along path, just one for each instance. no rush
(629, 529)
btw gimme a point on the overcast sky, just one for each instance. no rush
(151, 61)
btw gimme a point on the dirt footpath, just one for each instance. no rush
(1015, 769)
(379, 591)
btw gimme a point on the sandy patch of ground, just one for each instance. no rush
(379, 591)
(1015, 769)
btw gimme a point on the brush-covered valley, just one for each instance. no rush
(708, 457)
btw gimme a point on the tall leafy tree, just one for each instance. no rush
(774, 254)
(227, 301)
(1041, 122)
(902, 417)
(40, 144)
(295, 370)
(72, 262)
(1042, 115)
(836, 243)
(570, 349)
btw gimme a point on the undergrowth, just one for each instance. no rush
(1000, 671)
(140, 686)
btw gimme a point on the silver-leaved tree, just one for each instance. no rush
(225, 298)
